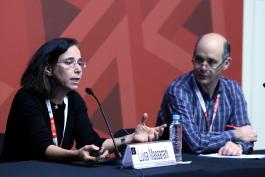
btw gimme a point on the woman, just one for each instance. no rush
(47, 116)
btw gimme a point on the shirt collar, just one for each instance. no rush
(218, 89)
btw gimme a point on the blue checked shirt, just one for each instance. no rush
(181, 98)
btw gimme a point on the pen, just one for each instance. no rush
(230, 126)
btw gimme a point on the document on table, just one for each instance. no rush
(243, 156)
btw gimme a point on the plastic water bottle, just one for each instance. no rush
(175, 136)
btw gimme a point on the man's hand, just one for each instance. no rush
(144, 133)
(246, 133)
(231, 149)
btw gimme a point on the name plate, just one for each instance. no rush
(147, 155)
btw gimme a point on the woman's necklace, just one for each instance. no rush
(56, 104)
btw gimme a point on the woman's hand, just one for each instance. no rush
(85, 154)
(144, 133)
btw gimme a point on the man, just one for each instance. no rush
(209, 103)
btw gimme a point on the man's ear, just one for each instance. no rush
(227, 63)
(48, 70)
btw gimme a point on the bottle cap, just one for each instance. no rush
(176, 117)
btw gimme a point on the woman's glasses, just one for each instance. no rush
(71, 62)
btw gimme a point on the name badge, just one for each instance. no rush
(147, 155)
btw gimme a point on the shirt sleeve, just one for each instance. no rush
(239, 115)
(247, 146)
(27, 128)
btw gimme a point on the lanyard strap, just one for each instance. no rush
(53, 127)
(203, 105)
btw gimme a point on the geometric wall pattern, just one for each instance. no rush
(134, 48)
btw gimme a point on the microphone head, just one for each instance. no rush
(263, 84)
(89, 91)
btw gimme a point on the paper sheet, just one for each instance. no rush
(244, 156)
(184, 162)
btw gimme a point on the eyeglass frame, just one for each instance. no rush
(74, 62)
(209, 65)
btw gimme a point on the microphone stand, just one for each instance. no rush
(90, 92)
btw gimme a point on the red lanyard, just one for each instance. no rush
(216, 105)
(53, 127)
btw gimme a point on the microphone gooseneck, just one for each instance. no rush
(90, 92)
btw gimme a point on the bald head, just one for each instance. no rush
(213, 42)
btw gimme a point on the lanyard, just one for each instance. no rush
(202, 103)
(53, 127)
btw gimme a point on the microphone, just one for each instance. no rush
(263, 84)
(90, 92)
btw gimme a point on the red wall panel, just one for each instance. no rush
(134, 48)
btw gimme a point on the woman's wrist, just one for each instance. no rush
(56, 153)
(75, 155)
(129, 138)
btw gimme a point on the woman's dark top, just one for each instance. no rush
(28, 131)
